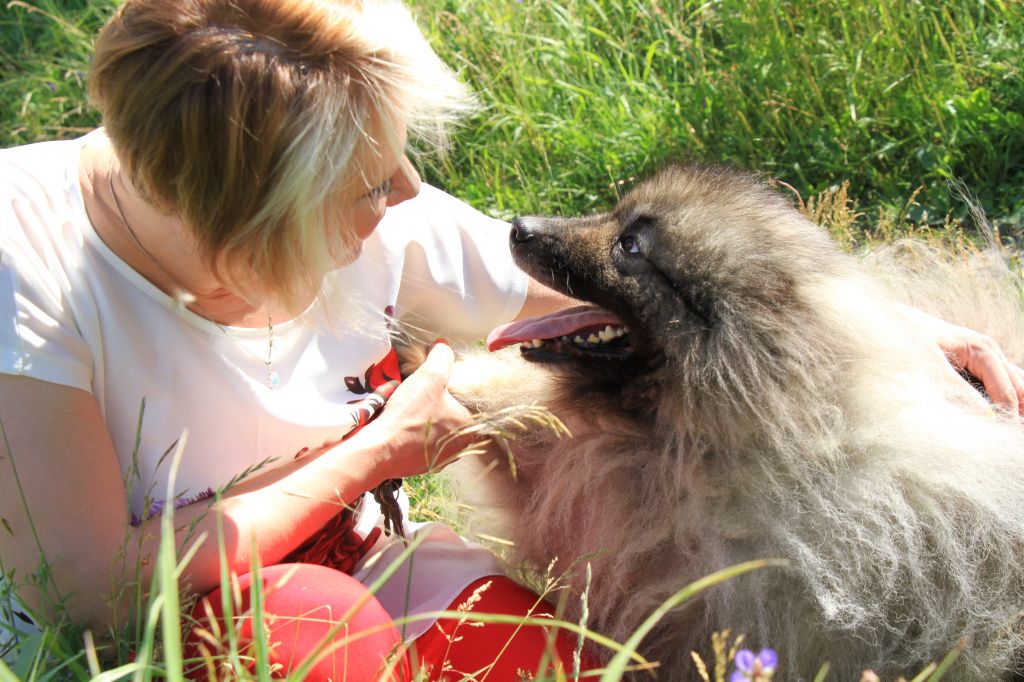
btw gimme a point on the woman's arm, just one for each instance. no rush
(541, 299)
(63, 485)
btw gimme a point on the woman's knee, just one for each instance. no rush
(310, 613)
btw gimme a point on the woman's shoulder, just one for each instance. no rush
(44, 228)
(39, 168)
(40, 199)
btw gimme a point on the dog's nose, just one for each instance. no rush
(521, 231)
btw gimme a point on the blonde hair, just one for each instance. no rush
(245, 118)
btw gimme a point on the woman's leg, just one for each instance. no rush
(451, 649)
(304, 604)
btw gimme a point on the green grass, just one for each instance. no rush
(890, 96)
(582, 96)
(44, 55)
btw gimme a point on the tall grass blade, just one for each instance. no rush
(506, 619)
(259, 625)
(118, 673)
(945, 663)
(146, 650)
(617, 667)
(167, 566)
(6, 675)
(925, 674)
(227, 604)
(90, 655)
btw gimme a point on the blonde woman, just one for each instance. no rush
(181, 254)
(231, 248)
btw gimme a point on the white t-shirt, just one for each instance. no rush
(73, 313)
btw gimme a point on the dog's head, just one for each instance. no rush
(699, 266)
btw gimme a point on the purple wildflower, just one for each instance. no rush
(751, 668)
(157, 507)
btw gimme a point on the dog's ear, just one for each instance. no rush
(411, 353)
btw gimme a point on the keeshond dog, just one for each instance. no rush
(739, 388)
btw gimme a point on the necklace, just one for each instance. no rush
(183, 297)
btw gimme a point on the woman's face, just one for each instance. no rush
(395, 181)
(384, 178)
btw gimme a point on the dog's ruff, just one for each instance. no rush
(775, 402)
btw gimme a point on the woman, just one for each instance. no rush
(220, 251)
(176, 257)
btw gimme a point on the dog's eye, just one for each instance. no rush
(629, 244)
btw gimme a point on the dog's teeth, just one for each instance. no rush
(593, 338)
(578, 339)
(537, 343)
(606, 334)
(619, 332)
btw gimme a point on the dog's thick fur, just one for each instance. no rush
(776, 402)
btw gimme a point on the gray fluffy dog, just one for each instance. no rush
(742, 389)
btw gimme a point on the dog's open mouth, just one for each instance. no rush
(580, 331)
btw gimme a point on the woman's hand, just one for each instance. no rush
(966, 349)
(981, 356)
(414, 429)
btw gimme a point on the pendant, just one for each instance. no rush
(272, 379)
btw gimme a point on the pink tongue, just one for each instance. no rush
(561, 323)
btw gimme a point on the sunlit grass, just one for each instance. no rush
(890, 96)
(579, 94)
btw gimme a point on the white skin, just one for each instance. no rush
(61, 440)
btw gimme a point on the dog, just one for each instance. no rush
(740, 388)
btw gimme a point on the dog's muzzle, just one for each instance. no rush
(523, 229)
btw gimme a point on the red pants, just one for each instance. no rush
(304, 603)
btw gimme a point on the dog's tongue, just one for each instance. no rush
(561, 323)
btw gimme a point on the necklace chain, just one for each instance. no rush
(183, 296)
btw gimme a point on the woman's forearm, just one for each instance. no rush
(268, 516)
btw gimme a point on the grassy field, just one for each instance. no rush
(581, 96)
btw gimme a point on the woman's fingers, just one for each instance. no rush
(430, 379)
(1017, 377)
(416, 426)
(448, 415)
(438, 364)
(982, 357)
